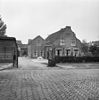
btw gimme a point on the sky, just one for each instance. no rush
(26, 19)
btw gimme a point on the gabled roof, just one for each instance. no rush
(18, 42)
(30, 40)
(65, 31)
(38, 37)
(7, 38)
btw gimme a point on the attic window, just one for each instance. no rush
(62, 42)
(73, 43)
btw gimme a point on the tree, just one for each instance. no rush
(2, 28)
(94, 50)
(84, 47)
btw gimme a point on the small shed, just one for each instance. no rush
(8, 51)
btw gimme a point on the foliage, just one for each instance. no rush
(51, 63)
(94, 50)
(2, 28)
(71, 59)
(84, 47)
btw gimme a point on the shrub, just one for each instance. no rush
(71, 59)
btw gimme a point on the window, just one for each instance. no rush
(62, 42)
(76, 52)
(68, 52)
(35, 53)
(73, 43)
(58, 52)
(41, 53)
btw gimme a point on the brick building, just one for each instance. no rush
(36, 47)
(64, 42)
(8, 50)
(22, 48)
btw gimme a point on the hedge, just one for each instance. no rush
(71, 59)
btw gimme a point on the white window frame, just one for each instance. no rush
(69, 53)
(76, 51)
(61, 51)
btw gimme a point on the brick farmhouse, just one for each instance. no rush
(64, 43)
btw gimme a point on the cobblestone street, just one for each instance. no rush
(35, 81)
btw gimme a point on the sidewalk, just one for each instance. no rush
(4, 66)
(78, 65)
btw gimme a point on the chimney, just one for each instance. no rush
(68, 27)
(29, 41)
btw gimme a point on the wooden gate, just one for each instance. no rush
(8, 51)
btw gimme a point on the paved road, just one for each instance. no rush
(34, 81)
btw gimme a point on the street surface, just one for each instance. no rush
(35, 81)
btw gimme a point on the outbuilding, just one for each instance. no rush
(8, 50)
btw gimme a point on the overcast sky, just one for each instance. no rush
(26, 19)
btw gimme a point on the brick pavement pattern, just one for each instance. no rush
(34, 82)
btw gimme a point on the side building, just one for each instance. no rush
(64, 43)
(22, 48)
(36, 47)
(96, 43)
(8, 50)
